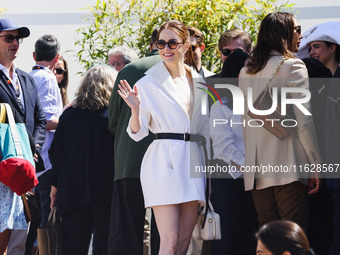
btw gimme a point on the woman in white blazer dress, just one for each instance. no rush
(167, 101)
(279, 196)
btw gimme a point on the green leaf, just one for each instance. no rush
(133, 21)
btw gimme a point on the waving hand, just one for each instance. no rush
(129, 95)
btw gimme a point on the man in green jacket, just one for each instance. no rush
(127, 209)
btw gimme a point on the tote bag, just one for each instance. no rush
(17, 169)
(49, 236)
(208, 225)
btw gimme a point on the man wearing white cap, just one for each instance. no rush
(17, 89)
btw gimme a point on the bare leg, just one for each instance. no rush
(4, 238)
(175, 225)
(188, 217)
(167, 220)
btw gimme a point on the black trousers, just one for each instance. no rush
(78, 225)
(127, 220)
(334, 187)
(237, 215)
(320, 227)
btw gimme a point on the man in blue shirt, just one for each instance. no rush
(46, 55)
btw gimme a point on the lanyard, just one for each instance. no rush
(37, 67)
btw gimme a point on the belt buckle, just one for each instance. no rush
(186, 137)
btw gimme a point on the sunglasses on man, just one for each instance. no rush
(172, 44)
(194, 46)
(227, 52)
(10, 38)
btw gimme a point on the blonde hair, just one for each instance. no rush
(96, 87)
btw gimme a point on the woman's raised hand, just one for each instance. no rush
(130, 96)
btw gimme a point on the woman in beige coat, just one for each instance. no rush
(272, 165)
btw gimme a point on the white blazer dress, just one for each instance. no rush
(169, 167)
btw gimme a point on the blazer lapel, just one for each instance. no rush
(198, 92)
(5, 86)
(23, 84)
(163, 79)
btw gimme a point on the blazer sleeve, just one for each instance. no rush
(116, 102)
(223, 137)
(297, 76)
(114, 108)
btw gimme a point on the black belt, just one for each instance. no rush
(184, 137)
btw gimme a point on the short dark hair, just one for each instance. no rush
(337, 52)
(46, 48)
(196, 33)
(233, 34)
(154, 35)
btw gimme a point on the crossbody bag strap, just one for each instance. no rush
(275, 72)
(14, 131)
(273, 75)
(207, 194)
(266, 89)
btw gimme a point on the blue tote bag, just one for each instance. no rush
(17, 168)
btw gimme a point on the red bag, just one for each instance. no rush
(18, 174)
(17, 169)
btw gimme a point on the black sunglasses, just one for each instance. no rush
(298, 29)
(10, 38)
(60, 70)
(194, 47)
(172, 44)
(226, 52)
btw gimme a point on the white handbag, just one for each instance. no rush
(208, 225)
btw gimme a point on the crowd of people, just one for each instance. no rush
(133, 135)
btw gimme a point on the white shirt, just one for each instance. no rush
(205, 72)
(14, 81)
(227, 138)
(51, 102)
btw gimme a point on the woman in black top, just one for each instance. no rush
(82, 158)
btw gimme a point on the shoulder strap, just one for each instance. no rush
(2, 114)
(275, 72)
(14, 131)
